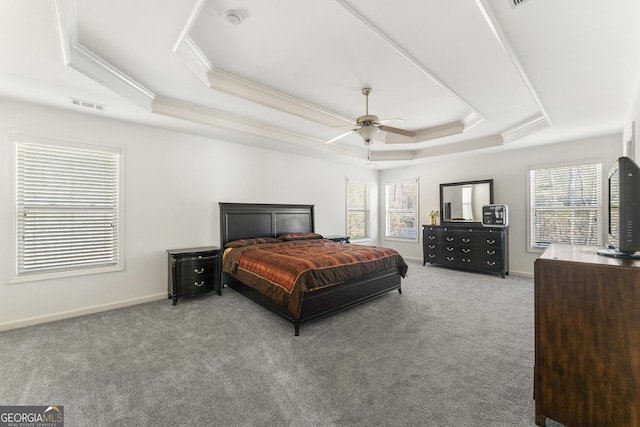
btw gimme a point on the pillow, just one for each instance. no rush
(299, 236)
(247, 242)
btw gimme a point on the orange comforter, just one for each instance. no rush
(284, 271)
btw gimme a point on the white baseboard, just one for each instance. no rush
(81, 312)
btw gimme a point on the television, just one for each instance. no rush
(624, 210)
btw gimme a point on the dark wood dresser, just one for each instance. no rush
(587, 338)
(194, 271)
(471, 247)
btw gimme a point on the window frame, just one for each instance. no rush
(18, 277)
(387, 211)
(566, 164)
(367, 209)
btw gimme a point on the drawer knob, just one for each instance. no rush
(449, 239)
(466, 250)
(491, 263)
(491, 242)
(491, 252)
(199, 271)
(198, 284)
(432, 237)
(450, 258)
(466, 240)
(450, 249)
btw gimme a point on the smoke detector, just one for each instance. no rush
(232, 17)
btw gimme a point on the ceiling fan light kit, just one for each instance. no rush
(369, 125)
(367, 132)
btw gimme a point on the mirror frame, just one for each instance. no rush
(454, 184)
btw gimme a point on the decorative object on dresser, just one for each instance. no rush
(587, 338)
(193, 271)
(267, 231)
(471, 247)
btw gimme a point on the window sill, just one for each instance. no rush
(62, 274)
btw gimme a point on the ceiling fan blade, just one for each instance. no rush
(403, 132)
(340, 136)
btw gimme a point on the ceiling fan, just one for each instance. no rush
(369, 125)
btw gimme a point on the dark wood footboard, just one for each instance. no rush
(326, 301)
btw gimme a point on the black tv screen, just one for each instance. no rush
(624, 209)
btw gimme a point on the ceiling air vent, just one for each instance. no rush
(88, 104)
(516, 3)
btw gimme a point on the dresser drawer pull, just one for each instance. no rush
(466, 250)
(491, 252)
(491, 263)
(450, 249)
(198, 284)
(432, 246)
(432, 237)
(432, 256)
(450, 258)
(491, 242)
(466, 260)
(449, 239)
(466, 240)
(199, 271)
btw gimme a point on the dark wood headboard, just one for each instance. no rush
(248, 220)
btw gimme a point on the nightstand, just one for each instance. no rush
(194, 271)
(338, 239)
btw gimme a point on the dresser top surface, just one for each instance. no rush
(585, 254)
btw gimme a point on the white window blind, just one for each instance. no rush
(357, 209)
(566, 205)
(66, 208)
(402, 209)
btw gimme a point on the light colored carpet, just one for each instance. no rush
(454, 349)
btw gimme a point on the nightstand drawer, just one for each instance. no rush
(196, 267)
(195, 284)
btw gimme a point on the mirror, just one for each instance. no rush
(463, 201)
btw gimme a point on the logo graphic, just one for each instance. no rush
(32, 416)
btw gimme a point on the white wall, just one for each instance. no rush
(508, 169)
(173, 183)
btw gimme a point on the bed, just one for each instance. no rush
(253, 229)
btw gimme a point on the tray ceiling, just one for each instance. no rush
(288, 75)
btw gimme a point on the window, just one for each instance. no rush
(357, 209)
(402, 209)
(565, 205)
(67, 209)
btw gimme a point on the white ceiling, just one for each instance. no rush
(463, 74)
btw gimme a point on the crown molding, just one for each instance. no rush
(460, 147)
(91, 65)
(195, 113)
(525, 128)
(194, 59)
(380, 156)
(255, 92)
